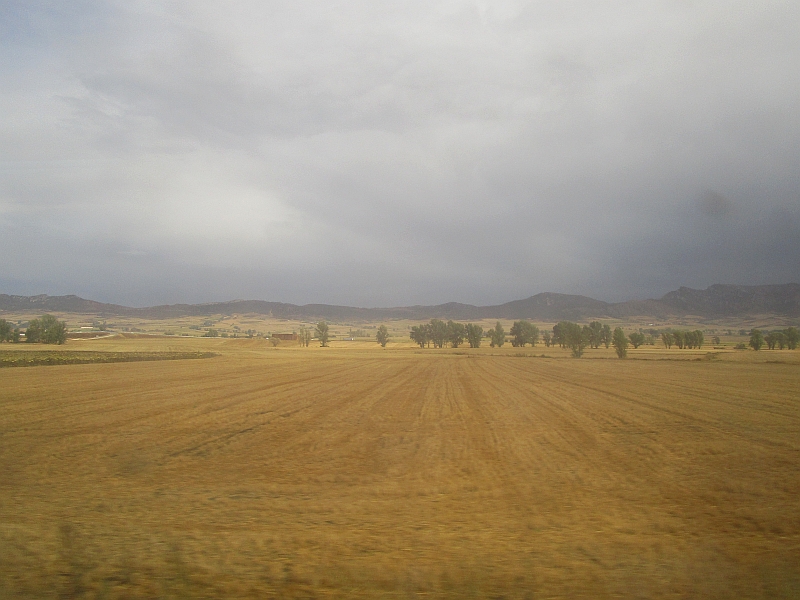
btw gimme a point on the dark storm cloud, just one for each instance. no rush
(395, 153)
(714, 204)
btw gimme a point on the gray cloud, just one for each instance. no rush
(395, 153)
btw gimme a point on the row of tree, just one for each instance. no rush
(575, 337)
(439, 333)
(45, 330)
(786, 338)
(683, 339)
(571, 335)
(565, 334)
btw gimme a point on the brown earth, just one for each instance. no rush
(362, 473)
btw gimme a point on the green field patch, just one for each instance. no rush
(55, 357)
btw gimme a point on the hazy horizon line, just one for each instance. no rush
(233, 300)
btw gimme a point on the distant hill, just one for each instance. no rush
(714, 302)
(68, 304)
(731, 300)
(550, 307)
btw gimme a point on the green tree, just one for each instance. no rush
(769, 340)
(587, 333)
(699, 340)
(546, 338)
(304, 337)
(456, 332)
(211, 333)
(6, 331)
(575, 338)
(33, 333)
(498, 336)
(688, 340)
(524, 332)
(323, 334)
(693, 339)
(420, 334)
(382, 336)
(667, 338)
(474, 335)
(533, 335)
(792, 337)
(620, 342)
(605, 335)
(775, 339)
(518, 337)
(780, 340)
(438, 332)
(595, 334)
(53, 330)
(756, 339)
(559, 333)
(636, 338)
(680, 339)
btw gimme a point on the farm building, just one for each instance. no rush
(285, 336)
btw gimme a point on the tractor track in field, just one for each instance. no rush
(683, 411)
(366, 474)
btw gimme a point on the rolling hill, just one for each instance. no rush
(716, 301)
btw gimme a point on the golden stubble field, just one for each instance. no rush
(356, 472)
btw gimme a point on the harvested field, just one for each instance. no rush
(362, 473)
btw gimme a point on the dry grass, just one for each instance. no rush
(355, 472)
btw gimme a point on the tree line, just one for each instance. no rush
(439, 333)
(576, 337)
(780, 339)
(45, 330)
(573, 336)
(49, 330)
(682, 339)
(565, 334)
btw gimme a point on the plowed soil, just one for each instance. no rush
(331, 473)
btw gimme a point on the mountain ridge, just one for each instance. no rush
(718, 300)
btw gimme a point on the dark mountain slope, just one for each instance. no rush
(550, 307)
(714, 302)
(731, 300)
(69, 304)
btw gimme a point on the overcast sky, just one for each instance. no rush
(390, 153)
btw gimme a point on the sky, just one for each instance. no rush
(394, 153)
